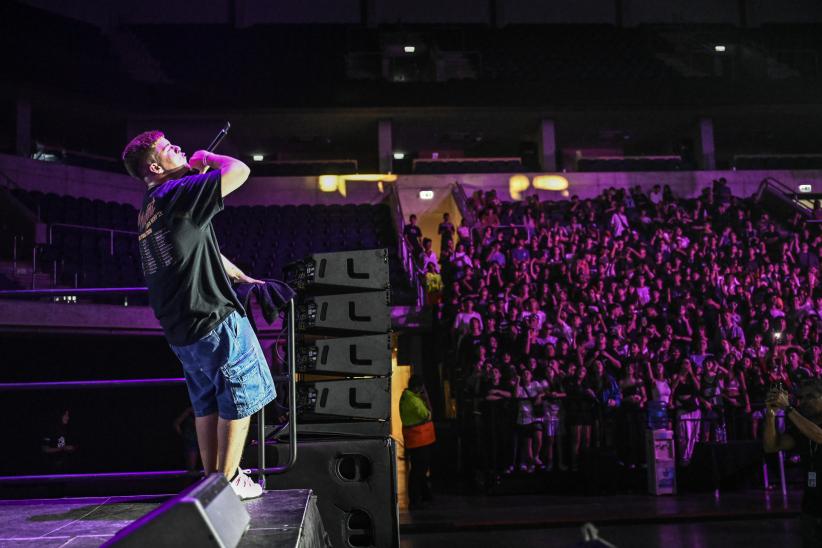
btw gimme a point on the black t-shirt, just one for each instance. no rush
(413, 232)
(683, 390)
(188, 287)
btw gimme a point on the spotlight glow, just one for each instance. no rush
(550, 182)
(518, 184)
(329, 183)
(372, 177)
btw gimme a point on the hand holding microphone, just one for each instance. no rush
(199, 161)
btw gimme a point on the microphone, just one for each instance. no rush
(217, 140)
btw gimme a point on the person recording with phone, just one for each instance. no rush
(804, 434)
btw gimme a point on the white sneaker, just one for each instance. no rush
(244, 487)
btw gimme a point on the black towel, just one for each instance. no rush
(273, 297)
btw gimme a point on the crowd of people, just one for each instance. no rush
(574, 325)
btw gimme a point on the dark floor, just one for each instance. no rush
(459, 513)
(773, 533)
(87, 522)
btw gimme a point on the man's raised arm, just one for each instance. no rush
(233, 172)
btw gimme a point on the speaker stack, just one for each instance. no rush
(346, 453)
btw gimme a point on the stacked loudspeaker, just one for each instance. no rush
(345, 453)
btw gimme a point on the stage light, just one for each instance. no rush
(409, 49)
(426, 194)
(257, 157)
(516, 185)
(329, 183)
(399, 155)
(372, 177)
(719, 48)
(550, 182)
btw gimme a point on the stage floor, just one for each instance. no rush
(87, 522)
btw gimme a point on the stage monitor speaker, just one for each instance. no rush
(351, 312)
(355, 481)
(368, 398)
(367, 269)
(368, 355)
(208, 513)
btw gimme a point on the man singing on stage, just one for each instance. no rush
(189, 290)
(806, 437)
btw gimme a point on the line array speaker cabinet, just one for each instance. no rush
(366, 269)
(355, 356)
(368, 398)
(356, 485)
(206, 514)
(350, 312)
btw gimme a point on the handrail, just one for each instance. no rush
(110, 383)
(9, 182)
(35, 293)
(407, 258)
(468, 160)
(461, 198)
(261, 469)
(110, 231)
(93, 228)
(72, 385)
(292, 408)
(788, 193)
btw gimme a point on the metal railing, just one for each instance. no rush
(461, 198)
(110, 231)
(409, 264)
(785, 192)
(7, 181)
(261, 470)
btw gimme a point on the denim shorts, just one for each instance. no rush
(226, 371)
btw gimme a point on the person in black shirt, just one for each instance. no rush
(58, 445)
(413, 235)
(189, 287)
(446, 230)
(805, 435)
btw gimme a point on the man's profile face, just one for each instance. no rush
(168, 157)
